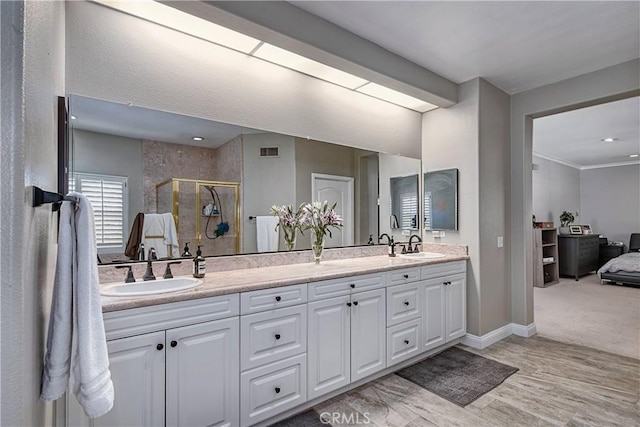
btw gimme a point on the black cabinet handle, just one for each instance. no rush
(353, 285)
(278, 298)
(277, 336)
(406, 303)
(406, 276)
(355, 303)
(160, 346)
(174, 343)
(348, 304)
(406, 341)
(277, 390)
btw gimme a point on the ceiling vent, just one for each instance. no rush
(269, 151)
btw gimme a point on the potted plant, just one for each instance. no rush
(320, 218)
(566, 219)
(290, 221)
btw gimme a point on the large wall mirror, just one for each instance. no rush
(215, 179)
(441, 200)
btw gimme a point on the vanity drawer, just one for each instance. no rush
(273, 335)
(346, 285)
(403, 341)
(269, 299)
(443, 269)
(272, 389)
(138, 321)
(403, 303)
(405, 275)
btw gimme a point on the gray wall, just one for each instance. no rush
(610, 201)
(32, 77)
(450, 140)
(617, 82)
(112, 155)
(556, 188)
(265, 181)
(235, 88)
(495, 299)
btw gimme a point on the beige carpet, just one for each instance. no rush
(605, 317)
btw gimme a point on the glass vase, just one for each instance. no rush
(289, 237)
(317, 246)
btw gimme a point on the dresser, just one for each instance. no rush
(578, 255)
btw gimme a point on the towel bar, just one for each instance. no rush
(41, 197)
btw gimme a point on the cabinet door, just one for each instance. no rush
(203, 374)
(368, 333)
(137, 372)
(456, 293)
(433, 315)
(328, 345)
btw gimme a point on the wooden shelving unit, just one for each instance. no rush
(545, 245)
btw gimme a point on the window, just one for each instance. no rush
(108, 196)
(427, 210)
(409, 207)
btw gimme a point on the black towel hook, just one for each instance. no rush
(41, 197)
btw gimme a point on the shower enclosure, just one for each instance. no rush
(206, 213)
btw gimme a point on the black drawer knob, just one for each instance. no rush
(160, 346)
(278, 298)
(406, 303)
(277, 390)
(348, 304)
(406, 342)
(406, 276)
(277, 336)
(355, 303)
(353, 285)
(174, 343)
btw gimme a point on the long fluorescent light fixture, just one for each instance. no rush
(395, 97)
(169, 17)
(296, 62)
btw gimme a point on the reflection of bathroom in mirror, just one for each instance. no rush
(441, 200)
(404, 202)
(153, 161)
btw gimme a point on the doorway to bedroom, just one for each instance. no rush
(586, 199)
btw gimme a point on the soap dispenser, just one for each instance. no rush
(141, 252)
(199, 267)
(186, 253)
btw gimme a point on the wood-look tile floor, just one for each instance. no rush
(558, 384)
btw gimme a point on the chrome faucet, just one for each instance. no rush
(416, 249)
(149, 273)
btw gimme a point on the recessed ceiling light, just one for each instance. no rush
(73, 117)
(609, 139)
(634, 155)
(197, 138)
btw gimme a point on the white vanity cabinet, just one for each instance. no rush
(347, 334)
(173, 376)
(445, 304)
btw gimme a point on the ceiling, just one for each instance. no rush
(119, 119)
(575, 137)
(515, 45)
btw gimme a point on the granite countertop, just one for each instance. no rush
(251, 279)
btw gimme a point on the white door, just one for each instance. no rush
(328, 355)
(368, 333)
(456, 306)
(433, 317)
(203, 374)
(334, 188)
(137, 372)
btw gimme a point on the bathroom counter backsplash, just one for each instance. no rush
(261, 271)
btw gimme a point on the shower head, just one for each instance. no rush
(209, 187)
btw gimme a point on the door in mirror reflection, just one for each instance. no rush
(339, 190)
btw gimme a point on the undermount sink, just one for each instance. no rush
(423, 255)
(151, 287)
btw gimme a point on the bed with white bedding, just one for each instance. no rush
(624, 269)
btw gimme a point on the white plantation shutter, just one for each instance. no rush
(409, 208)
(427, 210)
(108, 196)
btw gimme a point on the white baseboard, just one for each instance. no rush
(496, 335)
(523, 331)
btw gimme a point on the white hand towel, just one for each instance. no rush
(170, 235)
(153, 234)
(77, 341)
(267, 234)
